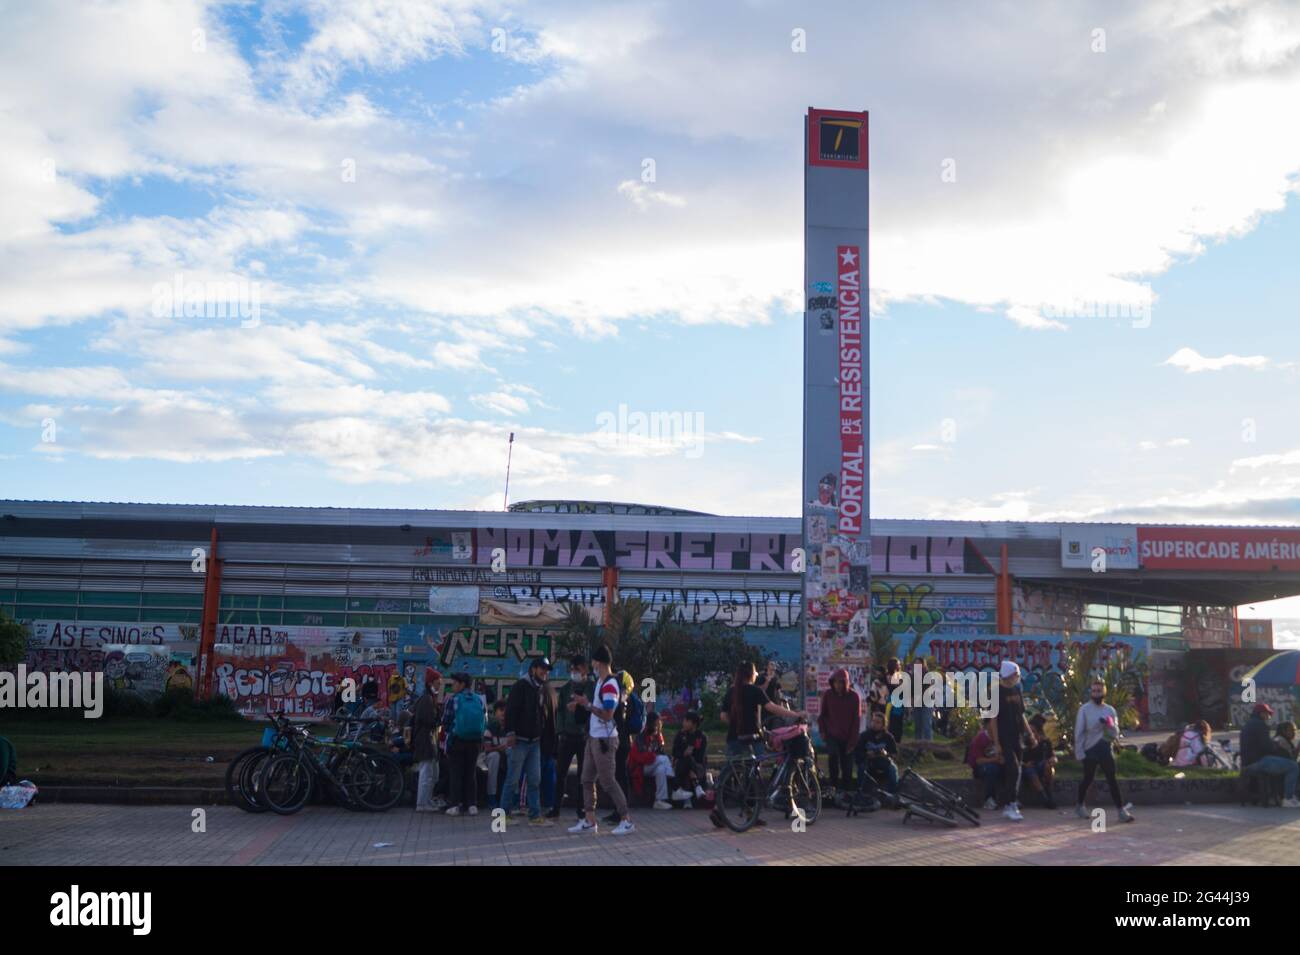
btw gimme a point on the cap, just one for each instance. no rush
(1009, 669)
(1262, 709)
(542, 662)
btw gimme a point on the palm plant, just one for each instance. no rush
(1080, 667)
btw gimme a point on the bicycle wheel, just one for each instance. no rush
(376, 780)
(285, 784)
(930, 813)
(250, 780)
(235, 791)
(740, 798)
(806, 790)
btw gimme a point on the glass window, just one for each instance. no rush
(251, 616)
(272, 602)
(239, 600)
(47, 596)
(314, 619)
(108, 613)
(109, 598)
(174, 616)
(173, 600)
(41, 612)
(379, 605)
(315, 603)
(377, 620)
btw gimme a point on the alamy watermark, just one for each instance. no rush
(673, 430)
(21, 690)
(228, 298)
(1138, 310)
(923, 689)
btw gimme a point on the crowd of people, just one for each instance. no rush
(518, 751)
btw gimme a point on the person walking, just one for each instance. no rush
(464, 720)
(1008, 741)
(530, 710)
(424, 743)
(602, 749)
(1095, 729)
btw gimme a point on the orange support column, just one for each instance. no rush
(609, 580)
(1004, 595)
(208, 629)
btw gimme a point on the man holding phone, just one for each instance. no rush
(602, 748)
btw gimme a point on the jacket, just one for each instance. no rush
(573, 723)
(1255, 742)
(530, 711)
(424, 719)
(841, 713)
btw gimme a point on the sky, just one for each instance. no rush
(336, 253)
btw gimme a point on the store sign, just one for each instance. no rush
(1080, 542)
(1219, 548)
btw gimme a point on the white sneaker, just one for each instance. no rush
(583, 826)
(624, 827)
(699, 792)
(473, 810)
(660, 804)
(1292, 803)
(1013, 813)
(680, 795)
(453, 811)
(990, 804)
(1082, 811)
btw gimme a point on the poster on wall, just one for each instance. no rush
(1118, 543)
(453, 600)
(836, 526)
(146, 671)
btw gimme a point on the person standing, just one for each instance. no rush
(897, 714)
(839, 722)
(464, 720)
(602, 749)
(1095, 729)
(572, 715)
(1008, 741)
(424, 743)
(530, 709)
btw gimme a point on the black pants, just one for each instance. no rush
(897, 719)
(462, 755)
(1100, 755)
(620, 760)
(572, 746)
(1011, 772)
(840, 758)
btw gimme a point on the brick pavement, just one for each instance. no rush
(319, 835)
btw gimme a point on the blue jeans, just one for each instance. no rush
(548, 782)
(1288, 769)
(989, 774)
(925, 723)
(526, 760)
(737, 748)
(879, 769)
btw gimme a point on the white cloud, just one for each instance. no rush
(1190, 361)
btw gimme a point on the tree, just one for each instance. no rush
(13, 641)
(1080, 667)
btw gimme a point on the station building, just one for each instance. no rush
(273, 606)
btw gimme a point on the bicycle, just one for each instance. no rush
(241, 774)
(793, 785)
(917, 797)
(361, 778)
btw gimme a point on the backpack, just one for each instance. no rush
(634, 712)
(470, 718)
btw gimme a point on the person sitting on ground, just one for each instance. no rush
(1193, 746)
(1040, 762)
(1260, 755)
(495, 748)
(647, 758)
(873, 755)
(985, 762)
(690, 761)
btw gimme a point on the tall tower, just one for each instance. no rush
(836, 528)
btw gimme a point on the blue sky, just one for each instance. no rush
(444, 214)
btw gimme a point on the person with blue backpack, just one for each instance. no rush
(464, 719)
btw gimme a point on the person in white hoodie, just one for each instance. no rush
(1095, 729)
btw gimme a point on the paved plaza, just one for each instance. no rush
(86, 834)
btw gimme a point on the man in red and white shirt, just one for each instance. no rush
(602, 748)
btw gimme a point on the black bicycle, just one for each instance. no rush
(917, 797)
(242, 772)
(360, 777)
(792, 786)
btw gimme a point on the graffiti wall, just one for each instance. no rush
(147, 671)
(1214, 685)
(296, 670)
